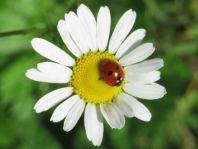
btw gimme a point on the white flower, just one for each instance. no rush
(87, 39)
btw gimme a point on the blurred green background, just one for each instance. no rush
(173, 27)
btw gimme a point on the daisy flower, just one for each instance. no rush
(102, 76)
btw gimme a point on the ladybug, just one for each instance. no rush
(111, 72)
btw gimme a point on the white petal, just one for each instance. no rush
(121, 30)
(56, 70)
(138, 54)
(113, 115)
(103, 27)
(134, 38)
(51, 77)
(140, 111)
(77, 31)
(93, 124)
(124, 107)
(36, 75)
(66, 37)
(62, 110)
(145, 91)
(50, 72)
(146, 66)
(142, 78)
(74, 115)
(89, 22)
(52, 52)
(52, 98)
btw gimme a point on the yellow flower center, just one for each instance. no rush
(86, 79)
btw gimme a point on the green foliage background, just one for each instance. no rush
(173, 27)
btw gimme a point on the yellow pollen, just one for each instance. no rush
(86, 79)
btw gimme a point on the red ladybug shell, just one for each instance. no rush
(111, 72)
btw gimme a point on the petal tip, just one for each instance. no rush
(37, 110)
(149, 119)
(165, 92)
(33, 41)
(82, 5)
(66, 129)
(28, 73)
(54, 119)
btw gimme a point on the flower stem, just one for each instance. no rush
(27, 31)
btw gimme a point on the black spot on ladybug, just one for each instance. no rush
(110, 73)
